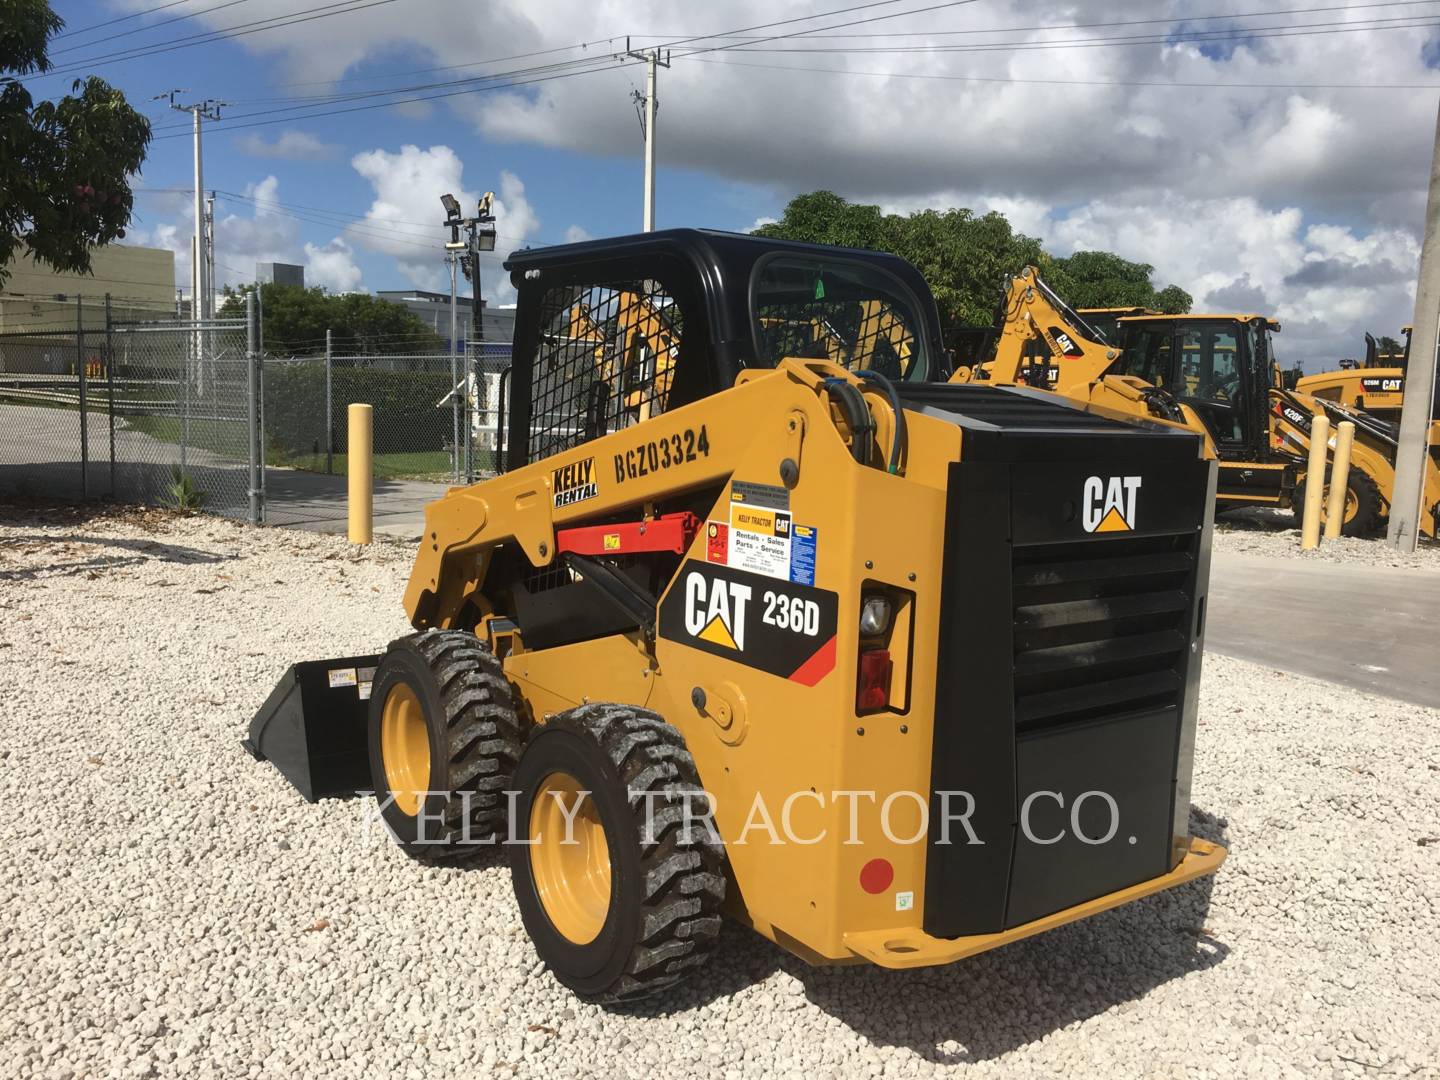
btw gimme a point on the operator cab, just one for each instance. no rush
(1222, 366)
(610, 333)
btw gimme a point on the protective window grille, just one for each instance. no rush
(845, 313)
(606, 360)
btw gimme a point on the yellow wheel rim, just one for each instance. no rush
(405, 748)
(1352, 504)
(571, 868)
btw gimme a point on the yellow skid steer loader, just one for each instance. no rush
(889, 669)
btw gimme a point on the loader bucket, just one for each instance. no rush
(313, 726)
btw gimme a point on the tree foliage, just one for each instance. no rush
(296, 320)
(1098, 279)
(66, 164)
(967, 257)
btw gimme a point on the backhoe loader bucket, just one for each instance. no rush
(312, 727)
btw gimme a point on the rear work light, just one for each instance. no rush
(873, 692)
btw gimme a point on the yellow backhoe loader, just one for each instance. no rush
(891, 670)
(1377, 385)
(1212, 374)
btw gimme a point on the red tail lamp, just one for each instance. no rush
(873, 691)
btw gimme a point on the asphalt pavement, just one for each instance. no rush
(1374, 628)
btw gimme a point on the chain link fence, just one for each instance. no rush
(194, 414)
(435, 421)
(154, 411)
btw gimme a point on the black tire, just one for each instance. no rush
(665, 889)
(474, 739)
(1365, 521)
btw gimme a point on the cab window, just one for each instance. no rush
(1147, 357)
(1210, 365)
(855, 315)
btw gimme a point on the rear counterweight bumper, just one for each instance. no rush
(910, 947)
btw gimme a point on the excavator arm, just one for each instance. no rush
(1042, 342)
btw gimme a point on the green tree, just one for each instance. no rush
(296, 320)
(967, 258)
(1097, 279)
(65, 165)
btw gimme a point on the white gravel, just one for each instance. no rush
(1273, 533)
(172, 908)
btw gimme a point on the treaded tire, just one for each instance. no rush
(1365, 522)
(475, 740)
(665, 894)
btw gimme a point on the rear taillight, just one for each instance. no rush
(873, 691)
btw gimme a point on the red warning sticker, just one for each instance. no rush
(717, 542)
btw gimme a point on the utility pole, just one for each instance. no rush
(1407, 506)
(209, 109)
(200, 297)
(650, 103)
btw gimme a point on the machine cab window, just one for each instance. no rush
(1147, 357)
(855, 315)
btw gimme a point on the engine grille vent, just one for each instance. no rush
(1101, 627)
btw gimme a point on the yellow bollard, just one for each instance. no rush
(1314, 483)
(359, 469)
(1339, 480)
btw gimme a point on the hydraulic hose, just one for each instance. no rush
(888, 388)
(857, 414)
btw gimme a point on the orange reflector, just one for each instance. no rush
(874, 689)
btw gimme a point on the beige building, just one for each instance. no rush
(139, 280)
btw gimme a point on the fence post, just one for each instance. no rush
(329, 421)
(84, 405)
(260, 390)
(467, 422)
(190, 367)
(110, 384)
(252, 371)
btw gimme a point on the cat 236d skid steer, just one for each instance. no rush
(762, 618)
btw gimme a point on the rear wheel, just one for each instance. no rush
(618, 890)
(444, 740)
(1362, 504)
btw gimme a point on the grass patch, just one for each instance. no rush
(228, 439)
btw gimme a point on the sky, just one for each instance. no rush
(1265, 155)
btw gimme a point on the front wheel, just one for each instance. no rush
(444, 739)
(618, 878)
(1362, 505)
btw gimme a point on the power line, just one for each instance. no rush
(399, 101)
(1097, 25)
(121, 18)
(152, 26)
(580, 66)
(1110, 41)
(566, 69)
(1208, 84)
(324, 11)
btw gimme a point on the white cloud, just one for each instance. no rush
(255, 231)
(1327, 284)
(332, 266)
(1217, 166)
(576, 233)
(408, 185)
(289, 145)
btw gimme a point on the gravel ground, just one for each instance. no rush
(172, 908)
(1273, 533)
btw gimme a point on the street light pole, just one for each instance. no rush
(454, 370)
